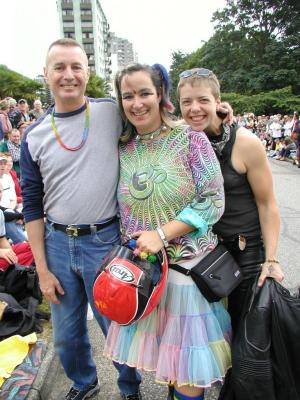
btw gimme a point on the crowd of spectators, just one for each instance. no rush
(278, 133)
(15, 117)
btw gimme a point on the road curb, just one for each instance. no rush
(48, 367)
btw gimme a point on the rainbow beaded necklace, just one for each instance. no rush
(85, 130)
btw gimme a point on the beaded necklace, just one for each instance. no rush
(152, 135)
(84, 134)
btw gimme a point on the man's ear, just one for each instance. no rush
(46, 73)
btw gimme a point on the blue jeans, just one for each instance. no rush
(15, 232)
(74, 261)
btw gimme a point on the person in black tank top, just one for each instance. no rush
(250, 225)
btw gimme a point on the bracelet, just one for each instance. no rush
(272, 261)
(162, 236)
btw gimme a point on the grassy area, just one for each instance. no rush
(47, 325)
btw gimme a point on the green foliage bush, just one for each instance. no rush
(16, 85)
(277, 101)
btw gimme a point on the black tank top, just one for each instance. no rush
(241, 213)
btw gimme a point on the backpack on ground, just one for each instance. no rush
(17, 320)
(21, 282)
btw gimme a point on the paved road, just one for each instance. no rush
(287, 188)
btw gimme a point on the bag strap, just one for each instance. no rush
(179, 268)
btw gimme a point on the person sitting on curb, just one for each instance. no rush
(13, 147)
(16, 254)
(14, 229)
(288, 147)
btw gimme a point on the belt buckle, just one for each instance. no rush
(72, 230)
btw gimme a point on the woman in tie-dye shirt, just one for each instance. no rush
(170, 180)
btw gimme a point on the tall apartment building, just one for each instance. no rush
(122, 54)
(85, 21)
(122, 51)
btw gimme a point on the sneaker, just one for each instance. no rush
(76, 394)
(134, 396)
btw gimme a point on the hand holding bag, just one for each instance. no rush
(216, 276)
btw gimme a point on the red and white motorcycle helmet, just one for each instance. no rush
(127, 288)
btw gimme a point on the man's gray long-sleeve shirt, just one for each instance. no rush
(72, 187)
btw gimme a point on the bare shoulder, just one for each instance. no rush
(246, 138)
(249, 147)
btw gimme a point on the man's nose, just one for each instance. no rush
(68, 73)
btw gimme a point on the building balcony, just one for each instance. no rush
(88, 18)
(68, 30)
(66, 6)
(68, 18)
(87, 40)
(86, 6)
(87, 29)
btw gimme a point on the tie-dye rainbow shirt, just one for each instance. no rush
(173, 176)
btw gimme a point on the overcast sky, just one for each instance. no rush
(155, 28)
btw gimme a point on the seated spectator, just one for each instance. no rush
(296, 135)
(13, 147)
(14, 229)
(5, 123)
(1, 133)
(275, 128)
(13, 174)
(37, 110)
(9, 198)
(278, 146)
(24, 107)
(18, 115)
(288, 125)
(19, 253)
(14, 113)
(288, 146)
(21, 128)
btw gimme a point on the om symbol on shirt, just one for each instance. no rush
(144, 180)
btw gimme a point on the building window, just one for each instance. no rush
(85, 1)
(70, 35)
(67, 12)
(86, 12)
(87, 24)
(89, 48)
(68, 24)
(87, 35)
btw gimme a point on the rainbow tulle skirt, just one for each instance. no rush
(185, 339)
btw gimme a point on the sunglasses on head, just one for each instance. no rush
(197, 71)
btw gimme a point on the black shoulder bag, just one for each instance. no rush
(216, 275)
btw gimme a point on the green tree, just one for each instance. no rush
(255, 48)
(269, 18)
(16, 85)
(178, 60)
(97, 87)
(271, 29)
(276, 101)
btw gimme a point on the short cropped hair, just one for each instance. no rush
(67, 42)
(210, 80)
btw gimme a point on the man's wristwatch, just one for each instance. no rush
(162, 236)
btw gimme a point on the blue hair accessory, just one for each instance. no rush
(167, 84)
(165, 76)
